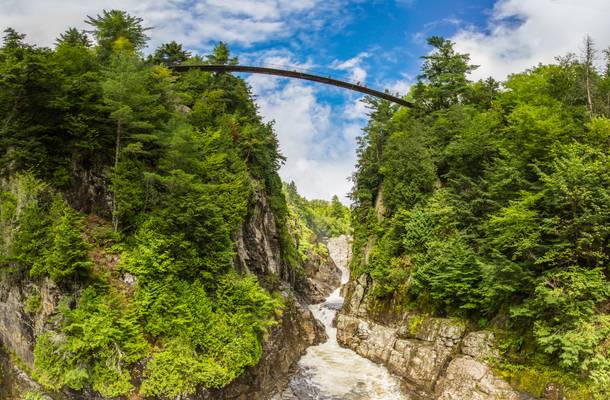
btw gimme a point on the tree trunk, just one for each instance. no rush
(589, 59)
(588, 84)
(117, 151)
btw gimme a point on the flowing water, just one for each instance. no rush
(331, 372)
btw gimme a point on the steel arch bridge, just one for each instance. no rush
(357, 87)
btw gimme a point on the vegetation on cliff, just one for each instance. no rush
(125, 183)
(491, 201)
(312, 221)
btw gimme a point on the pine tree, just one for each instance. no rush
(132, 107)
(443, 80)
(73, 37)
(114, 25)
(67, 253)
(170, 53)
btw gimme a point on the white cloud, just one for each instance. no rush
(522, 33)
(318, 140)
(353, 66)
(279, 58)
(195, 23)
(398, 86)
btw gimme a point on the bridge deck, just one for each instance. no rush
(294, 74)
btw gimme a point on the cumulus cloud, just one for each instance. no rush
(195, 23)
(522, 33)
(354, 66)
(318, 140)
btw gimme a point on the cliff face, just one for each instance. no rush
(321, 277)
(282, 350)
(438, 358)
(257, 252)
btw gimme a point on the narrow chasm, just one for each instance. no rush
(331, 372)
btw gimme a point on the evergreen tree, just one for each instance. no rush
(445, 75)
(73, 37)
(115, 25)
(220, 55)
(67, 254)
(132, 107)
(170, 53)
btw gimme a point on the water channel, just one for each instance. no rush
(331, 372)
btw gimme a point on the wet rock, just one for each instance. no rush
(467, 378)
(480, 345)
(322, 277)
(323, 271)
(435, 357)
(553, 391)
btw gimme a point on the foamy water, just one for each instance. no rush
(331, 372)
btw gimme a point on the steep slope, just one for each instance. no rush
(144, 233)
(481, 234)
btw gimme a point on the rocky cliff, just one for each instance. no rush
(321, 277)
(437, 358)
(257, 252)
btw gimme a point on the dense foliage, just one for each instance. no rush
(325, 218)
(491, 201)
(310, 222)
(108, 156)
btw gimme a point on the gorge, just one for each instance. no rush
(150, 250)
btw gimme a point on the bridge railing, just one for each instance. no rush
(330, 73)
(298, 73)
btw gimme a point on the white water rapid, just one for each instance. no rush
(331, 372)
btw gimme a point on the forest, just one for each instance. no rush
(113, 166)
(490, 201)
(485, 201)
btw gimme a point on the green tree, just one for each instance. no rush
(67, 255)
(132, 106)
(73, 37)
(115, 25)
(220, 55)
(170, 53)
(445, 75)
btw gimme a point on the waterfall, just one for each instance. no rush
(331, 372)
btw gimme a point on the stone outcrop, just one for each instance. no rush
(321, 277)
(18, 325)
(284, 347)
(468, 378)
(257, 252)
(14, 382)
(437, 358)
(322, 274)
(257, 242)
(340, 250)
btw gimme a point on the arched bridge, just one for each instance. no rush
(295, 74)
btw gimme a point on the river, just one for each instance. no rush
(331, 372)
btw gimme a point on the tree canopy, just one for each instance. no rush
(491, 201)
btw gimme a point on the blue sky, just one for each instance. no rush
(377, 42)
